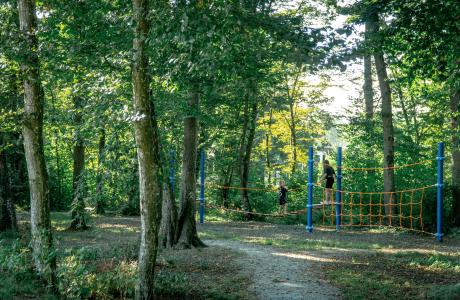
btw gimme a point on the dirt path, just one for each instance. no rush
(279, 274)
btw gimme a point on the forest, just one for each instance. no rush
(144, 148)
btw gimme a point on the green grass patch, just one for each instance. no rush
(309, 244)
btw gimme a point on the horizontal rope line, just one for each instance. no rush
(251, 189)
(378, 193)
(292, 213)
(386, 168)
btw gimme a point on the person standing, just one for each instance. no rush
(329, 177)
(282, 197)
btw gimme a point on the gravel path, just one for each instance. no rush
(279, 274)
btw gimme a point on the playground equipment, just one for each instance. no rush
(372, 209)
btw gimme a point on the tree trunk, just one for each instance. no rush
(368, 103)
(367, 87)
(292, 126)
(387, 118)
(145, 131)
(186, 234)
(455, 123)
(168, 217)
(227, 181)
(132, 207)
(42, 240)
(245, 160)
(56, 200)
(79, 215)
(100, 177)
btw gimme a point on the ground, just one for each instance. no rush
(243, 260)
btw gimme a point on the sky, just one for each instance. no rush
(346, 85)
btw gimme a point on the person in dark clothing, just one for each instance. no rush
(282, 197)
(329, 177)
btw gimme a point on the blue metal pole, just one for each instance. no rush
(172, 154)
(439, 186)
(338, 194)
(202, 188)
(310, 190)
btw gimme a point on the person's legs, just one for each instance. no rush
(329, 196)
(285, 208)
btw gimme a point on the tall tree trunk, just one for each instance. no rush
(245, 157)
(387, 118)
(268, 141)
(455, 123)
(227, 181)
(56, 201)
(132, 207)
(100, 177)
(241, 154)
(292, 127)
(368, 102)
(78, 179)
(168, 217)
(367, 87)
(42, 240)
(145, 131)
(186, 234)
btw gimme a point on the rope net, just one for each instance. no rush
(402, 209)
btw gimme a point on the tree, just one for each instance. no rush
(100, 173)
(79, 215)
(387, 114)
(367, 87)
(147, 152)
(186, 234)
(42, 238)
(168, 217)
(246, 145)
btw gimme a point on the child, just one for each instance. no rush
(329, 176)
(282, 197)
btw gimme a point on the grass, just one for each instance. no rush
(101, 263)
(408, 276)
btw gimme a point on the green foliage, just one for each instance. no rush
(448, 292)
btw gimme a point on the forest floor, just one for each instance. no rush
(355, 264)
(244, 260)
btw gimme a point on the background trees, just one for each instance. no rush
(245, 81)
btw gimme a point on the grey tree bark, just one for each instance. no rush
(79, 215)
(367, 87)
(168, 217)
(147, 142)
(186, 234)
(228, 177)
(387, 118)
(268, 136)
(42, 239)
(247, 141)
(100, 177)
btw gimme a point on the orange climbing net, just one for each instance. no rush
(401, 209)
